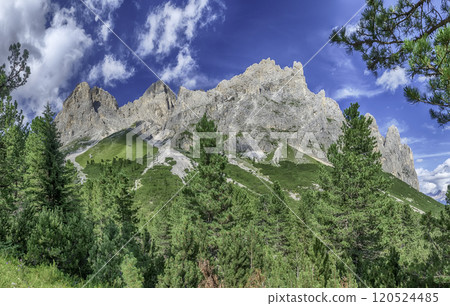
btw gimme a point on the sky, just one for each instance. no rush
(124, 46)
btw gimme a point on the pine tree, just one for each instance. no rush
(438, 234)
(13, 133)
(233, 258)
(48, 226)
(108, 203)
(182, 269)
(132, 276)
(213, 208)
(354, 194)
(45, 177)
(415, 34)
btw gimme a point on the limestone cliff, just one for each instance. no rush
(257, 105)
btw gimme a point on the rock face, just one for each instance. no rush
(262, 106)
(397, 158)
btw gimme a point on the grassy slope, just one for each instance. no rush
(14, 274)
(113, 146)
(159, 183)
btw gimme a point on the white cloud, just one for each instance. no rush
(433, 155)
(419, 160)
(351, 28)
(401, 126)
(109, 71)
(411, 140)
(389, 80)
(56, 46)
(105, 9)
(170, 28)
(351, 92)
(392, 79)
(435, 182)
(182, 70)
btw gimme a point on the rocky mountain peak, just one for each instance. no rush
(397, 158)
(264, 99)
(102, 99)
(393, 135)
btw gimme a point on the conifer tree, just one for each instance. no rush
(50, 226)
(108, 202)
(354, 194)
(13, 133)
(45, 177)
(182, 269)
(233, 258)
(411, 34)
(438, 234)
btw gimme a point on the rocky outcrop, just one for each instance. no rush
(397, 158)
(258, 106)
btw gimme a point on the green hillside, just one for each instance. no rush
(113, 146)
(292, 175)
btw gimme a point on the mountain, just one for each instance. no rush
(256, 107)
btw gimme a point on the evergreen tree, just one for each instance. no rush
(18, 71)
(438, 234)
(45, 177)
(211, 205)
(13, 133)
(49, 225)
(354, 194)
(108, 203)
(233, 258)
(410, 33)
(132, 276)
(182, 269)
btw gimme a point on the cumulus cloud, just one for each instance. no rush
(56, 46)
(434, 183)
(182, 70)
(170, 28)
(109, 71)
(105, 9)
(392, 79)
(351, 92)
(389, 80)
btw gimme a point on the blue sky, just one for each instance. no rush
(197, 43)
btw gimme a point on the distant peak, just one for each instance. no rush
(157, 87)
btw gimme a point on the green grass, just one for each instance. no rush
(15, 274)
(245, 178)
(131, 169)
(158, 186)
(291, 176)
(295, 177)
(417, 199)
(113, 146)
(76, 145)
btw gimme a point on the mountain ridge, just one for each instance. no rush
(264, 100)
